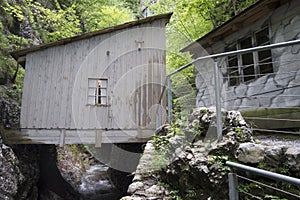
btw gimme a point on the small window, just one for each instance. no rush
(249, 66)
(97, 92)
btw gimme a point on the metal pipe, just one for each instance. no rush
(169, 99)
(233, 186)
(271, 175)
(218, 102)
(241, 51)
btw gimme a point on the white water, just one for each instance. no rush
(95, 185)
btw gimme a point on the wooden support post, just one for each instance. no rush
(98, 138)
(62, 138)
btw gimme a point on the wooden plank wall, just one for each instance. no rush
(56, 81)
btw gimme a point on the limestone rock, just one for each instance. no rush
(274, 155)
(131, 198)
(196, 168)
(155, 190)
(135, 186)
(19, 172)
(250, 152)
(293, 159)
(10, 173)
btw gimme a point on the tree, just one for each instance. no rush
(105, 17)
(191, 20)
(27, 22)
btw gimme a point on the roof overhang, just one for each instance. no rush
(20, 55)
(238, 22)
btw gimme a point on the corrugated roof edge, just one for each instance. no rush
(19, 53)
(249, 9)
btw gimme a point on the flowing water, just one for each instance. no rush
(96, 185)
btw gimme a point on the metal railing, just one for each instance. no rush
(215, 91)
(234, 186)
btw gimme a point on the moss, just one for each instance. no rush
(271, 114)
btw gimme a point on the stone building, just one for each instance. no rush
(262, 84)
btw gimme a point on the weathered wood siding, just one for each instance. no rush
(56, 81)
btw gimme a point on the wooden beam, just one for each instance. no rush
(98, 138)
(21, 59)
(75, 136)
(62, 137)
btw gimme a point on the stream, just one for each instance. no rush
(96, 185)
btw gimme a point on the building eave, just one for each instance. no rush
(20, 55)
(251, 14)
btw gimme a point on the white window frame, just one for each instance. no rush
(97, 92)
(256, 63)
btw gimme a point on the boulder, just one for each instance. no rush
(135, 186)
(293, 159)
(250, 153)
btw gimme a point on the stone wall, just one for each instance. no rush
(273, 90)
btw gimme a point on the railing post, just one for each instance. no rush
(233, 186)
(218, 101)
(169, 83)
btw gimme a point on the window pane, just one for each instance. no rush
(266, 68)
(246, 43)
(92, 92)
(98, 98)
(232, 61)
(265, 62)
(249, 73)
(233, 70)
(262, 37)
(247, 59)
(264, 55)
(103, 100)
(103, 92)
(103, 83)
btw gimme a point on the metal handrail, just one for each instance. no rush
(233, 182)
(237, 52)
(267, 174)
(168, 83)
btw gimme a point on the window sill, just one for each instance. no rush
(99, 105)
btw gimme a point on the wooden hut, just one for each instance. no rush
(99, 87)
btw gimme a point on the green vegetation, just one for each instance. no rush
(191, 20)
(24, 23)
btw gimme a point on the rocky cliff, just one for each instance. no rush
(19, 171)
(185, 162)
